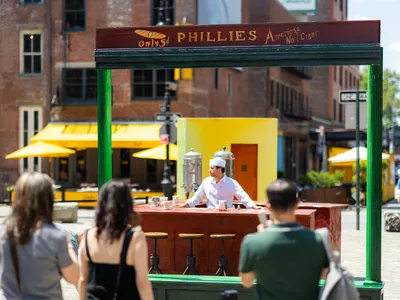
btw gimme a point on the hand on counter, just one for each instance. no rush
(257, 207)
(183, 205)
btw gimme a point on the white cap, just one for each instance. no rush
(218, 162)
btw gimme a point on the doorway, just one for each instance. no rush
(245, 167)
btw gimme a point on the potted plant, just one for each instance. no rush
(325, 187)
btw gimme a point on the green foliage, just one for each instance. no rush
(322, 180)
(390, 93)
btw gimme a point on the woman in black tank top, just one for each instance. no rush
(114, 256)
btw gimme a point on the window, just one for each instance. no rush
(31, 52)
(80, 174)
(151, 171)
(30, 123)
(340, 76)
(345, 79)
(150, 84)
(334, 73)
(79, 86)
(32, 1)
(74, 15)
(163, 10)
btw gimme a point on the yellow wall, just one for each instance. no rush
(208, 135)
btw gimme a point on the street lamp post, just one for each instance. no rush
(166, 182)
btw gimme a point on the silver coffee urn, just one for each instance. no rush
(229, 159)
(191, 172)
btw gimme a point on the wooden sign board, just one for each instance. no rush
(270, 34)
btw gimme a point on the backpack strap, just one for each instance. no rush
(14, 256)
(87, 246)
(122, 262)
(324, 234)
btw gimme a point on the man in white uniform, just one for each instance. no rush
(219, 187)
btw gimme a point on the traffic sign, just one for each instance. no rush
(173, 134)
(351, 96)
(163, 117)
(164, 138)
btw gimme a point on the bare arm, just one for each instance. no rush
(242, 196)
(84, 270)
(71, 272)
(197, 197)
(141, 263)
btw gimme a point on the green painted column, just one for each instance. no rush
(104, 124)
(374, 175)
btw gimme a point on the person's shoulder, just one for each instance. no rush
(53, 230)
(207, 180)
(254, 237)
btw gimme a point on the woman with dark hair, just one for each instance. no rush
(113, 255)
(35, 254)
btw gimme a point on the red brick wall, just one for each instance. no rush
(16, 90)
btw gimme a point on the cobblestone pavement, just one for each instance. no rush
(353, 249)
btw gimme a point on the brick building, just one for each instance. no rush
(48, 77)
(328, 81)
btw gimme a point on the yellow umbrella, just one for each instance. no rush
(158, 153)
(40, 149)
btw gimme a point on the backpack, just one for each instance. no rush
(339, 282)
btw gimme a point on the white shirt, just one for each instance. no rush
(225, 189)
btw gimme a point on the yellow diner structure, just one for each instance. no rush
(388, 181)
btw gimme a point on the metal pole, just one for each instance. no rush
(104, 124)
(358, 161)
(166, 181)
(374, 175)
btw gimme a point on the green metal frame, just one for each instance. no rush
(255, 56)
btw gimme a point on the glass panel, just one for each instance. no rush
(37, 64)
(79, 4)
(69, 4)
(73, 91)
(160, 90)
(69, 20)
(79, 20)
(25, 141)
(143, 91)
(25, 165)
(91, 91)
(161, 75)
(27, 64)
(73, 76)
(25, 121)
(143, 76)
(36, 43)
(27, 43)
(91, 76)
(36, 164)
(35, 122)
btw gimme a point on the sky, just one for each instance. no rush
(388, 12)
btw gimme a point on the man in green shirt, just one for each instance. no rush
(286, 259)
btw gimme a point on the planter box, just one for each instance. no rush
(335, 195)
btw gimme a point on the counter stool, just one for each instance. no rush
(191, 258)
(223, 260)
(154, 258)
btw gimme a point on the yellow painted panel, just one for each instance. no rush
(208, 135)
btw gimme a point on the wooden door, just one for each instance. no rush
(245, 168)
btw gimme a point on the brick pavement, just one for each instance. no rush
(353, 251)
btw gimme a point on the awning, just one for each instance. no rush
(84, 135)
(351, 156)
(40, 149)
(158, 153)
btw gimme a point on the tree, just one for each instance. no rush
(390, 94)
